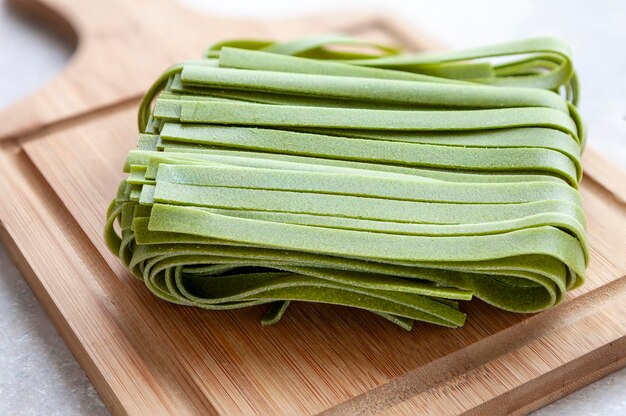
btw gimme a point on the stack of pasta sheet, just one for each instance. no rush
(329, 170)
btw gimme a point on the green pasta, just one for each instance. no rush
(402, 184)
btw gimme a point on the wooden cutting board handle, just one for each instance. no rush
(122, 45)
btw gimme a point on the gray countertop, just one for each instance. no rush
(39, 375)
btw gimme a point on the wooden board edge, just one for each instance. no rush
(527, 397)
(51, 213)
(569, 388)
(481, 357)
(51, 307)
(55, 315)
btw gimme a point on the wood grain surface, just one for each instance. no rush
(61, 154)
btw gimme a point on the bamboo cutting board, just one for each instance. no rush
(61, 153)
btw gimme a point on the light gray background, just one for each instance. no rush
(38, 374)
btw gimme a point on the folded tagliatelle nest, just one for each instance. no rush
(398, 183)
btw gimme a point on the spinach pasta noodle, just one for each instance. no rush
(403, 184)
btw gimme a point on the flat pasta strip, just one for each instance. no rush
(273, 173)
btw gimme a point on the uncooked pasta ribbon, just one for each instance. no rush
(333, 170)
